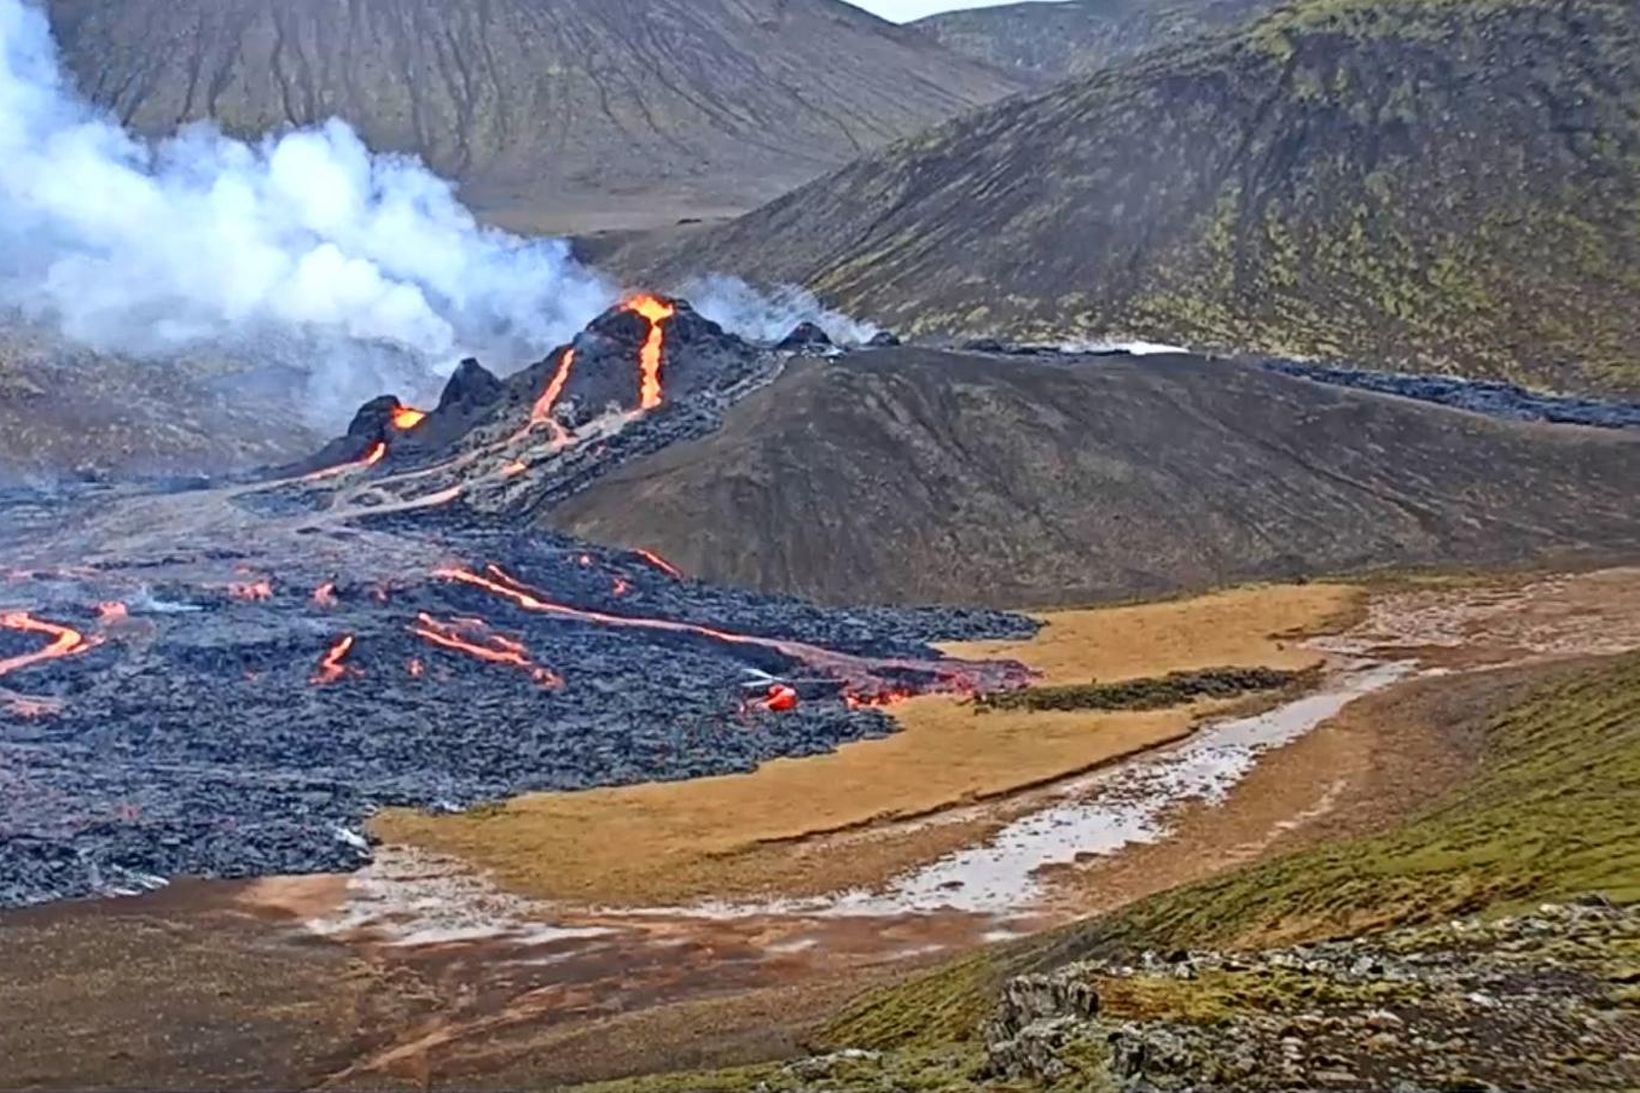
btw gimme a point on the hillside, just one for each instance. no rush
(914, 475)
(1049, 42)
(70, 410)
(1418, 949)
(560, 114)
(1436, 185)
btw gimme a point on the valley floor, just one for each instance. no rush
(722, 922)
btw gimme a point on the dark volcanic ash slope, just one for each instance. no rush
(1050, 42)
(1427, 186)
(920, 476)
(551, 112)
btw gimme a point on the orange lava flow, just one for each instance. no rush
(882, 698)
(252, 591)
(65, 640)
(515, 468)
(859, 675)
(377, 452)
(331, 669)
(649, 357)
(325, 594)
(660, 563)
(471, 636)
(500, 583)
(541, 413)
(406, 418)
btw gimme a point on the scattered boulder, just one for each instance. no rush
(1389, 1011)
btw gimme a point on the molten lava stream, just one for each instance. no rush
(660, 563)
(541, 412)
(862, 683)
(377, 453)
(649, 357)
(472, 637)
(331, 669)
(406, 418)
(65, 640)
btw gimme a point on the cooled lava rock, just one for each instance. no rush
(1478, 396)
(884, 339)
(805, 336)
(471, 386)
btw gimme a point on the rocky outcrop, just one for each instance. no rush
(1420, 1009)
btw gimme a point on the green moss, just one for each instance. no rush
(1217, 995)
(943, 1006)
(1160, 692)
(1550, 815)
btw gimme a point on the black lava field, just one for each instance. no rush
(226, 680)
(1490, 397)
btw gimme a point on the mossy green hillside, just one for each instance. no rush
(1432, 185)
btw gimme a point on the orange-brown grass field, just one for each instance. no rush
(764, 833)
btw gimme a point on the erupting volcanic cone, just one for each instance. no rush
(406, 418)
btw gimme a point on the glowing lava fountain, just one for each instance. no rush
(657, 311)
(406, 418)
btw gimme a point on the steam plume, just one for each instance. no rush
(306, 251)
(306, 245)
(735, 305)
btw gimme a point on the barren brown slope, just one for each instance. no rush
(1446, 185)
(68, 409)
(1048, 42)
(555, 113)
(915, 475)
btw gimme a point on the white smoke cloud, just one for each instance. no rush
(363, 270)
(769, 317)
(303, 253)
